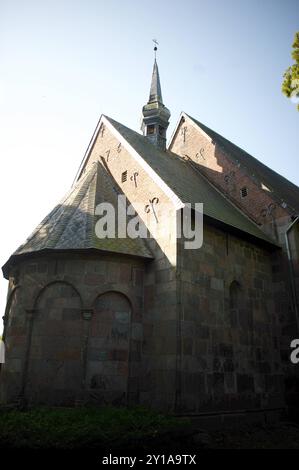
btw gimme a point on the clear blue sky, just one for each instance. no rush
(63, 63)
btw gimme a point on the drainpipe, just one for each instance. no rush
(292, 274)
(178, 372)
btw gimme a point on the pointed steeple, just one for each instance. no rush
(155, 116)
(155, 93)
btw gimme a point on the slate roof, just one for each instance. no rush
(71, 224)
(188, 184)
(282, 188)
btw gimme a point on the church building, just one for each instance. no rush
(128, 321)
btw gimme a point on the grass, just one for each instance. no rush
(130, 429)
(74, 428)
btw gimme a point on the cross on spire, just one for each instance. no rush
(155, 48)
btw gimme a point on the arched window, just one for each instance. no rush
(55, 361)
(107, 377)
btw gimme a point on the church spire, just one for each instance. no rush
(155, 116)
(155, 93)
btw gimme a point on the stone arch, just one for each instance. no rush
(55, 366)
(9, 305)
(14, 338)
(40, 290)
(122, 293)
(108, 352)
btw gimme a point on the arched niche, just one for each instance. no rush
(55, 358)
(14, 335)
(109, 349)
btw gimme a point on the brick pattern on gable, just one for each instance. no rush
(139, 189)
(211, 160)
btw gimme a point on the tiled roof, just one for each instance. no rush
(282, 188)
(188, 184)
(71, 224)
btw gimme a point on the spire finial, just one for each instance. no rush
(155, 48)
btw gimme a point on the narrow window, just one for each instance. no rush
(243, 192)
(161, 130)
(150, 129)
(124, 176)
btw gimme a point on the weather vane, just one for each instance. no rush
(156, 44)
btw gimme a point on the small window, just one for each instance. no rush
(243, 192)
(124, 176)
(150, 129)
(161, 130)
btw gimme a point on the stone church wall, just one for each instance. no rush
(157, 385)
(190, 331)
(266, 210)
(230, 350)
(73, 330)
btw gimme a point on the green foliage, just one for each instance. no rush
(290, 84)
(86, 427)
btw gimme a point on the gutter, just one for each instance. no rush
(291, 267)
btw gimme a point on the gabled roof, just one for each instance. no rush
(188, 184)
(71, 224)
(281, 188)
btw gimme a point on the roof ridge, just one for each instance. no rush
(51, 214)
(112, 183)
(281, 188)
(242, 150)
(200, 175)
(48, 216)
(73, 227)
(69, 210)
(163, 164)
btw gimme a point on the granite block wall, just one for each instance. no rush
(73, 330)
(230, 328)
